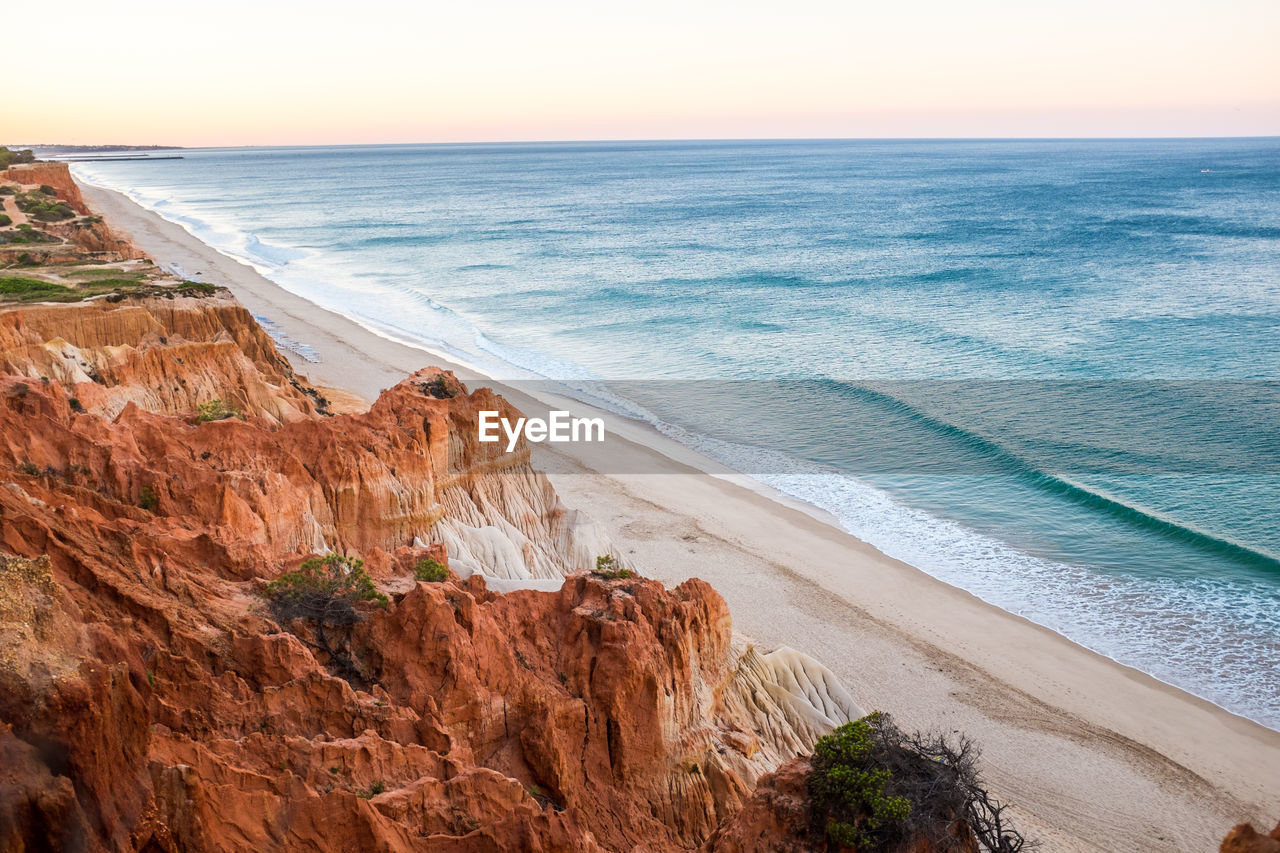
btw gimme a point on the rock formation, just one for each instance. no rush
(776, 817)
(90, 237)
(150, 700)
(1243, 838)
(164, 355)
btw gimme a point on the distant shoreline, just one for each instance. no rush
(91, 149)
(130, 157)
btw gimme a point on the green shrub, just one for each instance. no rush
(43, 206)
(6, 219)
(375, 789)
(440, 389)
(848, 786)
(26, 233)
(215, 410)
(147, 499)
(34, 290)
(324, 589)
(430, 570)
(10, 156)
(876, 788)
(48, 190)
(607, 567)
(8, 189)
(107, 272)
(197, 288)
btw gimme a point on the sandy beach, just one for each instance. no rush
(1094, 755)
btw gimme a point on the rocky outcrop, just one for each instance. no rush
(91, 235)
(71, 722)
(1243, 838)
(55, 175)
(166, 355)
(152, 701)
(184, 716)
(776, 818)
(379, 480)
(95, 237)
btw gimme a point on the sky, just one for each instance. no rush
(268, 72)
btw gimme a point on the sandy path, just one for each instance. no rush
(1096, 756)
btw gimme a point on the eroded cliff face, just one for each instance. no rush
(55, 175)
(1243, 838)
(149, 700)
(103, 381)
(93, 238)
(166, 355)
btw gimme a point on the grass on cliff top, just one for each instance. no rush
(18, 288)
(108, 272)
(25, 289)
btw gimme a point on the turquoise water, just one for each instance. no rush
(1046, 372)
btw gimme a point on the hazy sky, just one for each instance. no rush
(238, 72)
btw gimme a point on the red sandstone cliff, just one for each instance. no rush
(55, 175)
(164, 355)
(148, 700)
(92, 236)
(1243, 838)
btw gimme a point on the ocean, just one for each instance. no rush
(1047, 372)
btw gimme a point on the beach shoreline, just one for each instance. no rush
(1094, 754)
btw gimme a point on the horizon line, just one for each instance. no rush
(639, 140)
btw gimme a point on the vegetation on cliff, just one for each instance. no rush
(875, 787)
(50, 225)
(215, 410)
(42, 204)
(29, 289)
(607, 567)
(430, 570)
(324, 589)
(9, 157)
